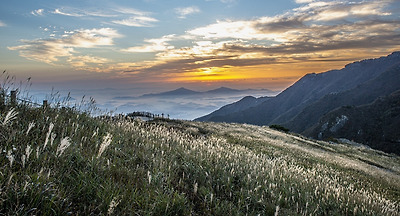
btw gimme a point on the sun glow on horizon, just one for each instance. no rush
(207, 74)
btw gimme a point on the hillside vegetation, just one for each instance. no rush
(376, 124)
(62, 161)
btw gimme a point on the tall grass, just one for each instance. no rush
(56, 161)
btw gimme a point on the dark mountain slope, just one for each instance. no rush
(308, 90)
(376, 124)
(366, 93)
(238, 106)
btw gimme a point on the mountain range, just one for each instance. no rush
(182, 92)
(305, 105)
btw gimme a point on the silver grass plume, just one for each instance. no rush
(11, 115)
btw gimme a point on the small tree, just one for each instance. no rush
(279, 128)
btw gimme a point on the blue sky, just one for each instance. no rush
(199, 43)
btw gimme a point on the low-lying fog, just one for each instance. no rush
(178, 104)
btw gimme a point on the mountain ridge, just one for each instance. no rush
(365, 93)
(293, 107)
(182, 91)
(178, 91)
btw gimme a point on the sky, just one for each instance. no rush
(199, 44)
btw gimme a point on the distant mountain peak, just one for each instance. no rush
(177, 92)
(222, 90)
(180, 91)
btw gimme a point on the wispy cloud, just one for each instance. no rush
(130, 11)
(66, 13)
(76, 12)
(303, 1)
(52, 50)
(38, 12)
(2, 24)
(185, 11)
(134, 18)
(121, 16)
(137, 21)
(153, 45)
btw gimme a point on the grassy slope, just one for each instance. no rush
(183, 168)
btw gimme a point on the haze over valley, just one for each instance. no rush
(176, 104)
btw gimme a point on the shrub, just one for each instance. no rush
(279, 127)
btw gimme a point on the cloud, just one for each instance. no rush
(153, 45)
(135, 18)
(315, 31)
(38, 12)
(65, 13)
(182, 107)
(120, 16)
(339, 11)
(205, 54)
(52, 50)
(303, 1)
(76, 12)
(131, 11)
(303, 21)
(199, 50)
(137, 21)
(185, 11)
(2, 24)
(88, 63)
(228, 29)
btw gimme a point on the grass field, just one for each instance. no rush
(62, 161)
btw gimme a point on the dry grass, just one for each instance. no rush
(62, 161)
